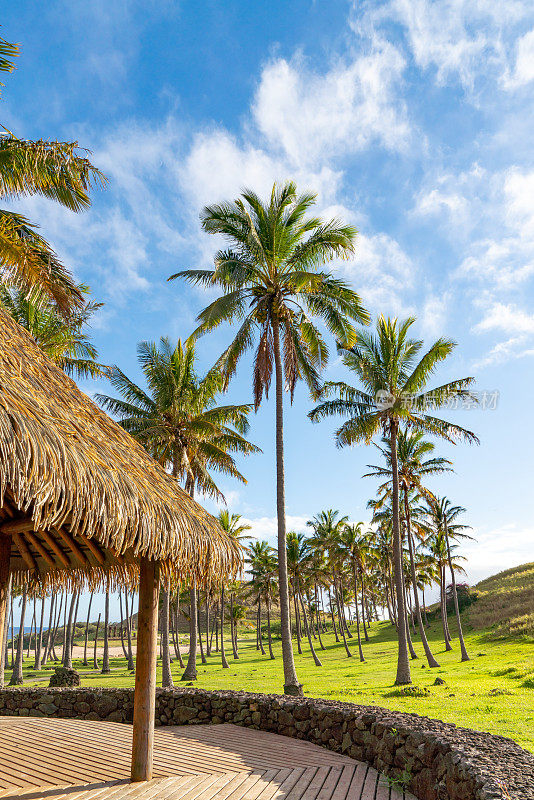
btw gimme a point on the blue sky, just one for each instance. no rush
(412, 120)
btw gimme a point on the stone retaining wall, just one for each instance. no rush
(442, 761)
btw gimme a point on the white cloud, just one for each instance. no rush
(381, 271)
(507, 318)
(463, 39)
(433, 314)
(266, 527)
(523, 72)
(510, 320)
(310, 116)
(496, 550)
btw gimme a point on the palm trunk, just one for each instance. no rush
(297, 622)
(269, 634)
(130, 658)
(260, 639)
(224, 660)
(208, 644)
(95, 660)
(32, 625)
(332, 614)
(424, 605)
(75, 622)
(291, 682)
(321, 645)
(403, 663)
(50, 629)
(307, 629)
(176, 633)
(86, 637)
(166, 675)
(4, 635)
(105, 655)
(233, 627)
(67, 650)
(190, 673)
(123, 645)
(341, 626)
(355, 577)
(343, 615)
(16, 675)
(39, 638)
(465, 656)
(365, 634)
(443, 606)
(57, 620)
(429, 657)
(199, 632)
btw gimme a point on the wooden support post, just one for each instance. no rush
(5, 558)
(145, 671)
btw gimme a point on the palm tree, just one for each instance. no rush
(234, 528)
(352, 545)
(272, 285)
(415, 462)
(394, 376)
(51, 169)
(445, 515)
(16, 675)
(179, 422)
(327, 527)
(63, 340)
(298, 562)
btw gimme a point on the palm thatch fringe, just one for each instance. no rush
(65, 463)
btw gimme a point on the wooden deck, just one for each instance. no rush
(59, 759)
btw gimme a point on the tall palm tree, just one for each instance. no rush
(394, 376)
(445, 515)
(63, 340)
(236, 529)
(179, 422)
(56, 170)
(416, 461)
(272, 284)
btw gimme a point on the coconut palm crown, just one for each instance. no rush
(178, 419)
(271, 283)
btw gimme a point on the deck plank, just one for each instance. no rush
(67, 759)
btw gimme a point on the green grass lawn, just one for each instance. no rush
(493, 692)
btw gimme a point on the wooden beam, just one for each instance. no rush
(40, 549)
(53, 545)
(25, 552)
(145, 671)
(5, 558)
(93, 547)
(116, 555)
(69, 541)
(17, 526)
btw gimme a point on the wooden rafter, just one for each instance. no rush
(32, 538)
(53, 545)
(17, 526)
(24, 550)
(69, 541)
(93, 547)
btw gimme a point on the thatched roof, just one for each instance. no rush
(81, 499)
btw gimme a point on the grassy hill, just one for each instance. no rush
(505, 604)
